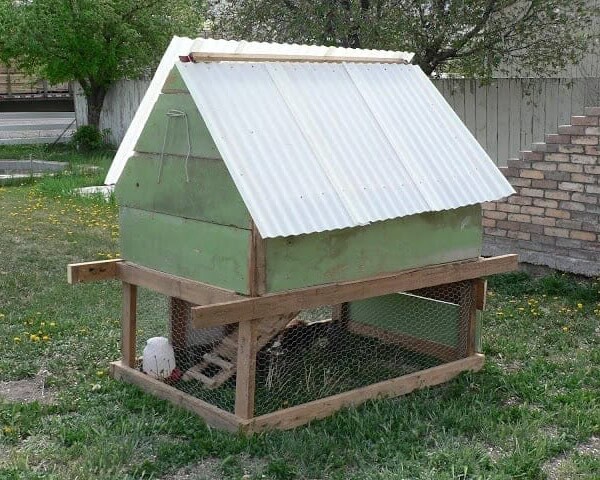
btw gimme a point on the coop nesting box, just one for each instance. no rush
(282, 197)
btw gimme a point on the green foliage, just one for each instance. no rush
(95, 42)
(471, 37)
(88, 138)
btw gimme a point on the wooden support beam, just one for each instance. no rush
(92, 271)
(245, 382)
(212, 415)
(179, 313)
(438, 350)
(331, 294)
(128, 324)
(172, 286)
(271, 57)
(480, 293)
(467, 321)
(257, 265)
(295, 416)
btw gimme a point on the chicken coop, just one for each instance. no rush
(303, 224)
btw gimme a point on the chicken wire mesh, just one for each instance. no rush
(310, 354)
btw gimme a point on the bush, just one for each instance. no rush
(88, 138)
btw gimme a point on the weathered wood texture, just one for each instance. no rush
(92, 271)
(201, 251)
(129, 324)
(516, 108)
(272, 304)
(212, 415)
(205, 190)
(390, 246)
(302, 414)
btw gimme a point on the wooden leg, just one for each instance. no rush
(468, 319)
(246, 369)
(179, 311)
(128, 324)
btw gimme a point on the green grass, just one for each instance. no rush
(535, 400)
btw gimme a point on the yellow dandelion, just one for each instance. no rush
(580, 306)
(45, 338)
(34, 338)
(100, 373)
(7, 430)
(565, 329)
(53, 324)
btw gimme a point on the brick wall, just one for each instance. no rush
(554, 218)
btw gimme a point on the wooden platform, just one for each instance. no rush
(256, 320)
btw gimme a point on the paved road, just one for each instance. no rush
(34, 127)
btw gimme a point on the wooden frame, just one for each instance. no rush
(219, 307)
(271, 57)
(331, 294)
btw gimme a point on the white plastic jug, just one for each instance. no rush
(159, 358)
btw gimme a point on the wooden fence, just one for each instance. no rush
(505, 116)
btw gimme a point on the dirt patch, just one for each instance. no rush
(557, 468)
(27, 390)
(212, 469)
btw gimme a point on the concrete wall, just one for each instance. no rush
(554, 219)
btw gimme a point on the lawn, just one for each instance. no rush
(533, 412)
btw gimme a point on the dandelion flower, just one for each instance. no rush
(580, 306)
(46, 338)
(565, 329)
(34, 338)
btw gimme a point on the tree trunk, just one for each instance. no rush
(95, 100)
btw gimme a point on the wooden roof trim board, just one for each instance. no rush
(274, 57)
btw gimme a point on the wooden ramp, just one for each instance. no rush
(219, 365)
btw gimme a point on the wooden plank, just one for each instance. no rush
(564, 101)
(514, 126)
(92, 271)
(172, 286)
(527, 114)
(410, 342)
(201, 251)
(470, 105)
(481, 115)
(480, 293)
(128, 324)
(503, 121)
(305, 413)
(330, 294)
(179, 313)
(209, 196)
(212, 415)
(578, 96)
(457, 87)
(492, 121)
(551, 106)
(274, 57)
(382, 247)
(257, 265)
(245, 381)
(469, 307)
(539, 111)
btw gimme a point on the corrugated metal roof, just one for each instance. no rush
(315, 146)
(209, 45)
(178, 46)
(181, 46)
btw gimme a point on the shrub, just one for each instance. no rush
(88, 137)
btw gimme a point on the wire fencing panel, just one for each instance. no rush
(312, 354)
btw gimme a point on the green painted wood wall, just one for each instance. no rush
(210, 194)
(154, 133)
(201, 251)
(382, 247)
(417, 316)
